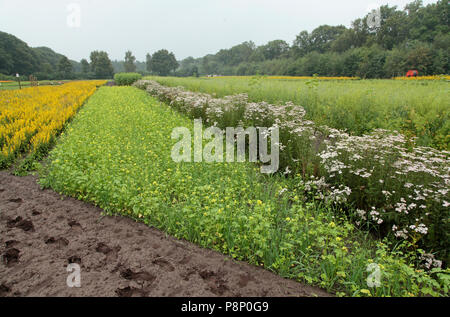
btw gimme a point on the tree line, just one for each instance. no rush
(416, 37)
(16, 57)
(161, 63)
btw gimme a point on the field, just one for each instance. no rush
(116, 155)
(31, 118)
(342, 206)
(416, 108)
(12, 85)
(311, 161)
(119, 256)
(380, 179)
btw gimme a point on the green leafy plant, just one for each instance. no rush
(126, 79)
(116, 154)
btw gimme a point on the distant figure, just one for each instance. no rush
(412, 73)
(33, 81)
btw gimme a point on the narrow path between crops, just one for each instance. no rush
(42, 232)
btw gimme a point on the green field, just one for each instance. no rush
(414, 108)
(25, 84)
(116, 154)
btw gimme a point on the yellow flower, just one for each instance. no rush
(366, 291)
(37, 114)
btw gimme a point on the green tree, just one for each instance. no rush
(163, 63)
(393, 27)
(372, 62)
(84, 66)
(361, 32)
(16, 56)
(6, 62)
(195, 71)
(257, 55)
(351, 61)
(188, 67)
(302, 44)
(241, 53)
(420, 57)
(148, 62)
(344, 42)
(129, 63)
(101, 65)
(322, 37)
(65, 68)
(275, 49)
(395, 64)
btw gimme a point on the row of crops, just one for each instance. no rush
(419, 109)
(333, 215)
(116, 154)
(377, 179)
(31, 118)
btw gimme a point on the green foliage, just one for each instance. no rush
(129, 63)
(381, 180)
(101, 65)
(148, 62)
(17, 57)
(413, 38)
(126, 79)
(85, 67)
(65, 68)
(416, 109)
(6, 77)
(116, 154)
(163, 63)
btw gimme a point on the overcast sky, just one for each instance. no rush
(186, 27)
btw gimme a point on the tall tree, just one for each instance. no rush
(188, 67)
(302, 44)
(101, 65)
(129, 63)
(163, 62)
(420, 58)
(65, 68)
(148, 62)
(395, 64)
(275, 49)
(84, 66)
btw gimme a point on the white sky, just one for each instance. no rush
(186, 27)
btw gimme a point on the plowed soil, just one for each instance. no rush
(42, 232)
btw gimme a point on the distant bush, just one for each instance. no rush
(6, 77)
(45, 76)
(126, 79)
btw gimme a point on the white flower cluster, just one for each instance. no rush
(400, 233)
(429, 261)
(383, 172)
(421, 228)
(378, 172)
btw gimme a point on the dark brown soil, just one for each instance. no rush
(42, 232)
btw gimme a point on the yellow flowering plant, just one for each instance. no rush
(31, 118)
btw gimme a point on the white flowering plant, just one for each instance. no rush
(379, 179)
(404, 191)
